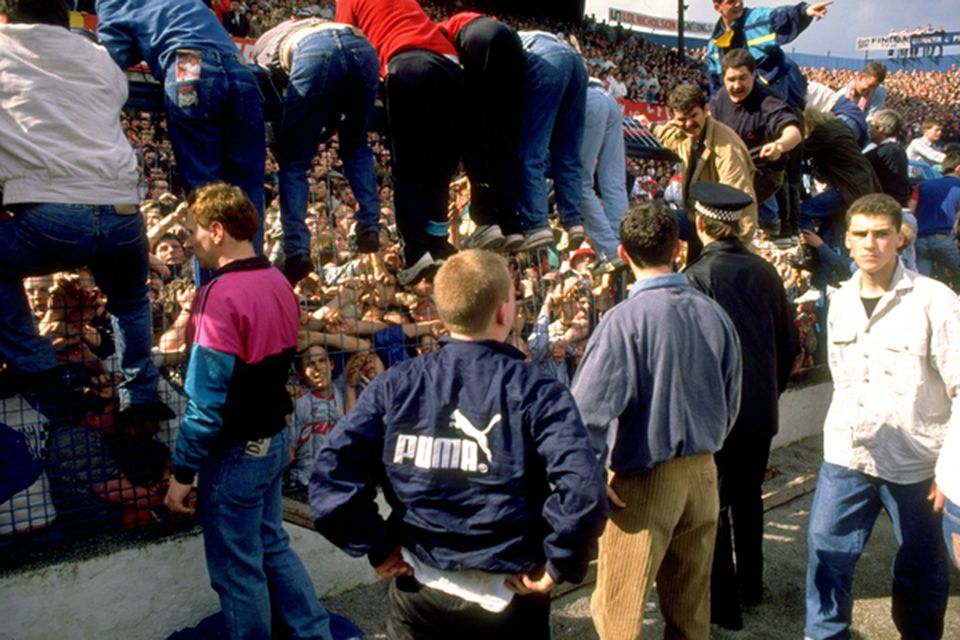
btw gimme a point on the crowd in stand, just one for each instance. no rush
(916, 95)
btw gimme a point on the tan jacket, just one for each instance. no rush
(724, 158)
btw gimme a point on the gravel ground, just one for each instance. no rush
(789, 492)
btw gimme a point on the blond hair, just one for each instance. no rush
(469, 287)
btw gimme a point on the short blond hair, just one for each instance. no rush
(469, 287)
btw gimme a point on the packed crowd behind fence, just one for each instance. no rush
(357, 320)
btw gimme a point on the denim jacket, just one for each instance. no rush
(896, 378)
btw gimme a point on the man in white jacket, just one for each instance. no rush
(896, 375)
(69, 176)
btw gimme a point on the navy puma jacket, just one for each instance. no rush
(482, 457)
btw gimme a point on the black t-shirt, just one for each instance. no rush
(758, 119)
(889, 162)
(869, 305)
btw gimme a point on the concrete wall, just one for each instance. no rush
(803, 406)
(146, 593)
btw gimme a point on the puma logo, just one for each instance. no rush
(460, 422)
(430, 452)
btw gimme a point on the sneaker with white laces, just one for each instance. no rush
(512, 242)
(487, 236)
(423, 268)
(537, 239)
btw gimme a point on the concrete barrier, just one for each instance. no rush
(803, 406)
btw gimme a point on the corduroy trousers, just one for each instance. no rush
(665, 534)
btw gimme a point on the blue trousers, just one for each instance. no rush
(248, 553)
(216, 128)
(552, 133)
(334, 76)
(603, 157)
(942, 250)
(951, 531)
(845, 508)
(44, 238)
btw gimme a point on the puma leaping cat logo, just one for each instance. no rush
(460, 422)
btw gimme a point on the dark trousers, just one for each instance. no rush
(424, 94)
(741, 466)
(416, 612)
(494, 71)
(790, 193)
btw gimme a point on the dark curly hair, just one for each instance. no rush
(649, 234)
(686, 97)
(736, 58)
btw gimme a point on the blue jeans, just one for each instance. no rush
(769, 212)
(845, 508)
(941, 250)
(334, 76)
(216, 128)
(828, 208)
(951, 531)
(552, 133)
(44, 238)
(249, 557)
(602, 155)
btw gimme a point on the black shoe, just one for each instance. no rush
(296, 267)
(144, 419)
(727, 620)
(368, 240)
(771, 229)
(441, 250)
(609, 266)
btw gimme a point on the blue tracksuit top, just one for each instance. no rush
(482, 457)
(660, 378)
(153, 30)
(762, 31)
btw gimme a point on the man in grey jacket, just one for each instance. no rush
(658, 390)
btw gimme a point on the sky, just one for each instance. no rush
(836, 33)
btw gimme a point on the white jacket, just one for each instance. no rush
(60, 134)
(920, 150)
(896, 378)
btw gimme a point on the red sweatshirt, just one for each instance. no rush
(393, 26)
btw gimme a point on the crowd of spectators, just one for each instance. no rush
(916, 95)
(357, 320)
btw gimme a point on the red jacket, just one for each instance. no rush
(393, 26)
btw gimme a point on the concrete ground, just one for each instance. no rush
(788, 495)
